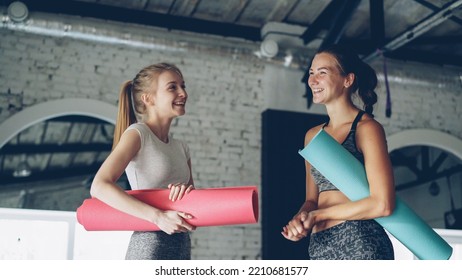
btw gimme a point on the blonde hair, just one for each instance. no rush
(130, 104)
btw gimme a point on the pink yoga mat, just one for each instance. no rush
(209, 207)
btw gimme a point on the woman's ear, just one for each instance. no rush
(147, 99)
(350, 79)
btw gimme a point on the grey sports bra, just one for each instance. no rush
(350, 144)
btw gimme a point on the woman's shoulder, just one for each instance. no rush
(311, 133)
(368, 123)
(140, 131)
(141, 127)
(369, 129)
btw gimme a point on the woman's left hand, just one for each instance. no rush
(177, 191)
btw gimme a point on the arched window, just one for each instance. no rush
(427, 166)
(50, 152)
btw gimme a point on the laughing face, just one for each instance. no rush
(325, 80)
(170, 98)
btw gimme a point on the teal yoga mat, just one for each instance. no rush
(347, 173)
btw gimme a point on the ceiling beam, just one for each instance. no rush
(339, 22)
(377, 22)
(170, 22)
(323, 21)
(363, 47)
(418, 29)
(407, 54)
(235, 13)
(281, 10)
(440, 40)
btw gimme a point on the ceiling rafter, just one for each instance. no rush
(185, 8)
(323, 21)
(281, 10)
(235, 14)
(417, 30)
(442, 40)
(405, 54)
(291, 10)
(339, 22)
(377, 22)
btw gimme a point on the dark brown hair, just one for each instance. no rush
(365, 77)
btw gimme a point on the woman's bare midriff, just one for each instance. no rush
(328, 199)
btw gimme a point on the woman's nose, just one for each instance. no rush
(183, 92)
(311, 80)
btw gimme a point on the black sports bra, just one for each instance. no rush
(349, 144)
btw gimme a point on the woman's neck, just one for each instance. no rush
(341, 113)
(160, 127)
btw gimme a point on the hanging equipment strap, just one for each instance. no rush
(385, 75)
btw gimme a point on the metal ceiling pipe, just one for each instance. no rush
(146, 37)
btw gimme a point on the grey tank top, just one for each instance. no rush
(157, 164)
(350, 144)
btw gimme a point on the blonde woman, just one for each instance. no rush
(151, 158)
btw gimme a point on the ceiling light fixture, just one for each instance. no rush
(269, 48)
(18, 11)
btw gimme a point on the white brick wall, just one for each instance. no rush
(228, 87)
(423, 96)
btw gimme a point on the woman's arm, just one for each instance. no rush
(104, 188)
(371, 141)
(297, 228)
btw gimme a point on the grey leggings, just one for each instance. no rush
(351, 240)
(157, 245)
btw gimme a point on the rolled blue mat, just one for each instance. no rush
(347, 173)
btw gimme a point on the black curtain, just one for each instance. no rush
(283, 180)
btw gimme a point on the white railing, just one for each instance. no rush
(56, 235)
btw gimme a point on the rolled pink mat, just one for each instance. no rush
(209, 207)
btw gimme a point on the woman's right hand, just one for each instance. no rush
(172, 222)
(299, 227)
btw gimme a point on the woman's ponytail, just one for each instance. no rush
(367, 82)
(125, 115)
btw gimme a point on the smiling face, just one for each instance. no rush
(325, 80)
(170, 95)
